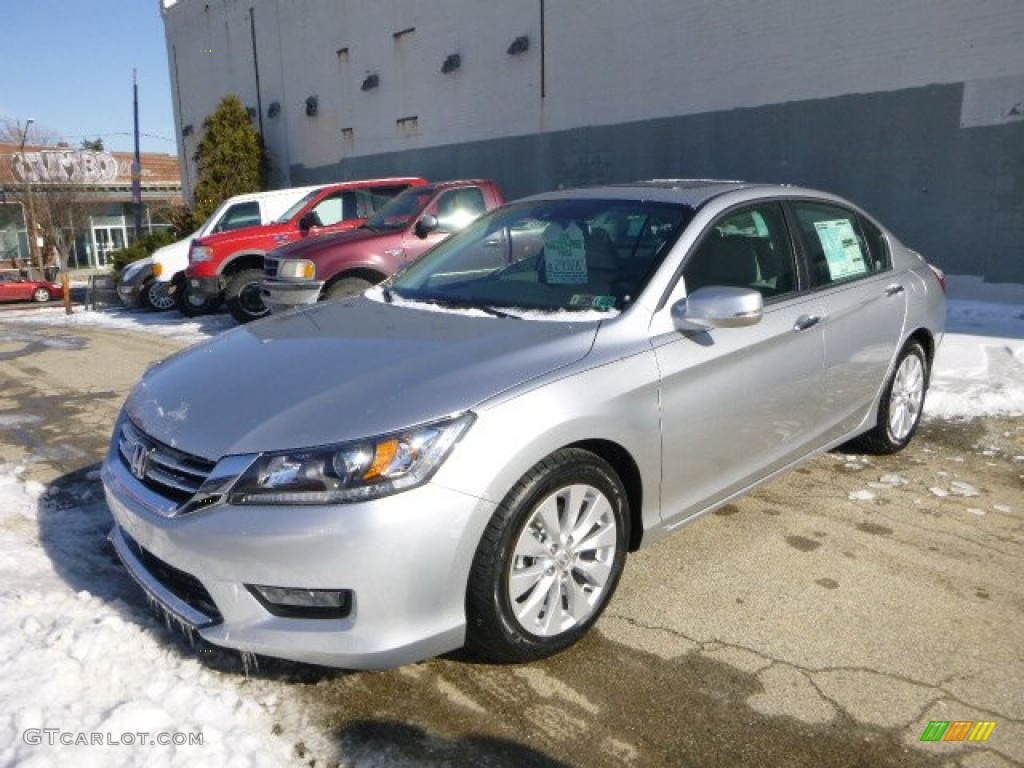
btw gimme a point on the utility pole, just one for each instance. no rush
(137, 163)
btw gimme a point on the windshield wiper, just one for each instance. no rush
(453, 304)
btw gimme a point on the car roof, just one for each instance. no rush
(690, 192)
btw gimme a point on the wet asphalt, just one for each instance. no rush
(823, 620)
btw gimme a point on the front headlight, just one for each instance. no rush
(297, 269)
(200, 253)
(356, 471)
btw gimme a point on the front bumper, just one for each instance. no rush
(280, 295)
(205, 287)
(129, 294)
(404, 558)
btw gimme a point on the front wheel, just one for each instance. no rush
(345, 286)
(243, 296)
(902, 402)
(191, 305)
(549, 560)
(40, 295)
(156, 296)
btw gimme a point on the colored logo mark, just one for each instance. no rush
(958, 730)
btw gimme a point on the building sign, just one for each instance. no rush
(65, 166)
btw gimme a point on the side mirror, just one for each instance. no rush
(718, 306)
(425, 225)
(308, 221)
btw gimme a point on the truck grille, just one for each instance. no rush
(270, 266)
(171, 473)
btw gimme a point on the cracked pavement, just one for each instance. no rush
(823, 620)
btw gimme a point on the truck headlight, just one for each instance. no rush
(200, 253)
(297, 269)
(356, 471)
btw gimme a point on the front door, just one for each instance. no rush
(107, 240)
(748, 392)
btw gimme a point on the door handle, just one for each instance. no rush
(806, 321)
(894, 290)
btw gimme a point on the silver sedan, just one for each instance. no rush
(464, 455)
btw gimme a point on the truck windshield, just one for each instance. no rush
(402, 210)
(549, 255)
(288, 215)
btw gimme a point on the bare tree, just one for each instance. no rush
(46, 178)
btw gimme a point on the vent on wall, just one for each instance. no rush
(453, 62)
(187, 130)
(520, 45)
(312, 105)
(371, 82)
(274, 109)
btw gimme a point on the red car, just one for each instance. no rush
(14, 287)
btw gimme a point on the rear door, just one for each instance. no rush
(864, 306)
(739, 403)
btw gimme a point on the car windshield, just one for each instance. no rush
(288, 215)
(401, 211)
(549, 255)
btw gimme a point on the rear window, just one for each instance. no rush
(840, 245)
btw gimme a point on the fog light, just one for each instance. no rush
(304, 603)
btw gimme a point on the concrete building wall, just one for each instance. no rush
(913, 108)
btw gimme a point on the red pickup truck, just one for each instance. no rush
(228, 266)
(350, 262)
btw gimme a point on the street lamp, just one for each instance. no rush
(30, 216)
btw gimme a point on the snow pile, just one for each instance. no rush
(979, 369)
(84, 679)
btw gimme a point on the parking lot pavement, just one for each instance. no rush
(825, 620)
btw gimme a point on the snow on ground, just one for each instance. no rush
(78, 659)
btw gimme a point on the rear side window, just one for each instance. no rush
(840, 245)
(239, 215)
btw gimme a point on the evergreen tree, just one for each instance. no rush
(231, 158)
(96, 145)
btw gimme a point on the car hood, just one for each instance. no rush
(244, 235)
(310, 247)
(342, 370)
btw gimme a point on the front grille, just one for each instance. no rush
(270, 266)
(174, 474)
(184, 586)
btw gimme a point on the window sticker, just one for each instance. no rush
(842, 250)
(603, 303)
(565, 261)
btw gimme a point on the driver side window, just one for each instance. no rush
(747, 248)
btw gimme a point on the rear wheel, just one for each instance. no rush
(902, 402)
(40, 295)
(346, 286)
(191, 305)
(243, 296)
(157, 296)
(549, 560)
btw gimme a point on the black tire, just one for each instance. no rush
(156, 296)
(243, 296)
(191, 305)
(501, 624)
(41, 295)
(899, 412)
(345, 286)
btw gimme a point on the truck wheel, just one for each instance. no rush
(243, 296)
(346, 286)
(191, 305)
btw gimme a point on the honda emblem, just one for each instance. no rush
(140, 458)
